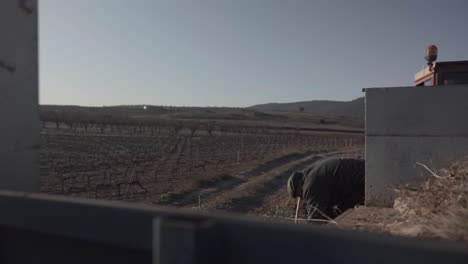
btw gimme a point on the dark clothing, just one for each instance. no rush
(332, 186)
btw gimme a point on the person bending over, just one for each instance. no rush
(330, 186)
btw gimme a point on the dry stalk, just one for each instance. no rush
(297, 209)
(433, 173)
(323, 214)
(199, 202)
(311, 220)
(129, 182)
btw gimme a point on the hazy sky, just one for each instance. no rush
(238, 52)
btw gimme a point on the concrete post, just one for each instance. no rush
(19, 119)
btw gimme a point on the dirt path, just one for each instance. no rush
(255, 198)
(209, 188)
(250, 192)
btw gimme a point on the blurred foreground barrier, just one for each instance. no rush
(39, 228)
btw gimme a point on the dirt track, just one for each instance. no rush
(252, 191)
(210, 188)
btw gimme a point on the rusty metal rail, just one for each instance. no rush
(39, 228)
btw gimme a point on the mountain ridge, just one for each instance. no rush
(327, 107)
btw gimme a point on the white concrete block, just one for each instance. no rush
(406, 125)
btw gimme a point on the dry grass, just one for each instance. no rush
(438, 208)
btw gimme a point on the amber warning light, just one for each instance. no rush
(431, 54)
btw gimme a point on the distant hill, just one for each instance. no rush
(350, 108)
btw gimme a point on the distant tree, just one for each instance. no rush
(210, 127)
(177, 127)
(193, 128)
(301, 109)
(45, 116)
(55, 117)
(70, 118)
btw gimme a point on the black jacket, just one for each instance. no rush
(332, 186)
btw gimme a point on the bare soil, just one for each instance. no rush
(437, 209)
(211, 187)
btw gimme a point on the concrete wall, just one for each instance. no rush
(19, 134)
(41, 228)
(406, 125)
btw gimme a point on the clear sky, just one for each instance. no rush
(238, 52)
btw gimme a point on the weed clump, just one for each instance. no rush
(438, 208)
